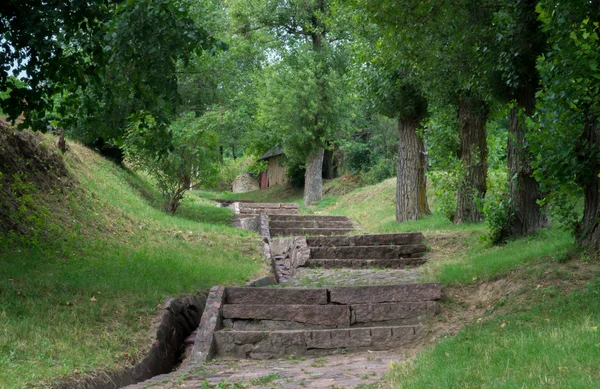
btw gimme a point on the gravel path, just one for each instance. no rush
(356, 370)
(315, 278)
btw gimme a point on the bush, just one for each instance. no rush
(381, 171)
(445, 185)
(175, 156)
(496, 207)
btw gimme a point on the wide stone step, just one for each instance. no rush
(367, 240)
(399, 263)
(311, 224)
(269, 205)
(385, 293)
(283, 296)
(277, 344)
(412, 292)
(310, 231)
(268, 211)
(366, 252)
(290, 218)
(258, 317)
(327, 315)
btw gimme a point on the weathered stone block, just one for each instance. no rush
(267, 296)
(368, 313)
(365, 263)
(386, 293)
(368, 240)
(310, 231)
(333, 315)
(204, 347)
(365, 252)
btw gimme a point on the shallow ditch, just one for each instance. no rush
(179, 318)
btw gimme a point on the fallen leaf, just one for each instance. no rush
(502, 325)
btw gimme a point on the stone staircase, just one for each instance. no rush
(291, 225)
(360, 251)
(253, 209)
(263, 323)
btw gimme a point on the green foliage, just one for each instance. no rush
(445, 185)
(292, 108)
(371, 149)
(177, 157)
(496, 208)
(46, 48)
(571, 82)
(382, 170)
(144, 46)
(230, 168)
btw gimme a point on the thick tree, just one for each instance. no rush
(520, 42)
(407, 103)
(299, 25)
(388, 67)
(472, 119)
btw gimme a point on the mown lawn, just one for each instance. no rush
(84, 300)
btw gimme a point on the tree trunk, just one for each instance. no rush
(526, 215)
(472, 118)
(61, 144)
(313, 179)
(588, 232)
(411, 196)
(422, 177)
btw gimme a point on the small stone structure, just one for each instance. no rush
(245, 182)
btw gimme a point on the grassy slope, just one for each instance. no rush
(84, 301)
(544, 336)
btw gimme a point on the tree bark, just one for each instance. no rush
(526, 215)
(61, 144)
(411, 196)
(588, 232)
(422, 177)
(313, 179)
(472, 119)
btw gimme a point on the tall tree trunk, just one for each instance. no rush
(588, 232)
(313, 179)
(472, 119)
(411, 196)
(527, 216)
(422, 177)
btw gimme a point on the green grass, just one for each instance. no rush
(550, 340)
(485, 262)
(84, 300)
